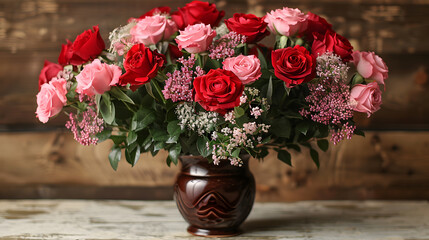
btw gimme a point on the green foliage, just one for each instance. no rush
(281, 127)
(142, 119)
(202, 146)
(323, 144)
(261, 58)
(119, 94)
(284, 156)
(107, 108)
(115, 157)
(238, 112)
(315, 156)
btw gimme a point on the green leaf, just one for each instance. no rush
(281, 127)
(294, 147)
(357, 79)
(104, 135)
(115, 157)
(286, 89)
(264, 152)
(285, 157)
(292, 114)
(315, 156)
(168, 161)
(97, 102)
(71, 94)
(202, 147)
(172, 139)
(107, 109)
(169, 68)
(119, 94)
(149, 90)
(158, 146)
(147, 142)
(174, 153)
(158, 134)
(142, 118)
(236, 153)
(132, 154)
(117, 140)
(303, 127)
(299, 41)
(323, 144)
(132, 137)
(323, 131)
(238, 112)
(212, 64)
(270, 90)
(262, 59)
(173, 128)
(283, 41)
(359, 132)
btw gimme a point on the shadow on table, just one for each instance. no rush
(302, 222)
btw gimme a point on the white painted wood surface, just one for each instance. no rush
(322, 220)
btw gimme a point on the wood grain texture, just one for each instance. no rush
(33, 30)
(160, 220)
(384, 165)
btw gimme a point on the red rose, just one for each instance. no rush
(154, 11)
(249, 25)
(332, 42)
(218, 91)
(65, 53)
(316, 24)
(294, 65)
(87, 46)
(197, 12)
(175, 52)
(49, 71)
(141, 64)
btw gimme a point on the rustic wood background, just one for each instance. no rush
(43, 161)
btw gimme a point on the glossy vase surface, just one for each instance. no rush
(214, 199)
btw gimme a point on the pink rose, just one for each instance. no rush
(286, 21)
(49, 71)
(97, 77)
(196, 38)
(366, 98)
(51, 99)
(370, 66)
(246, 68)
(152, 29)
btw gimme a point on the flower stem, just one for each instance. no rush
(158, 90)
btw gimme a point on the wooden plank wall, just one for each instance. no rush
(392, 162)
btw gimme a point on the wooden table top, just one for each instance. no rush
(322, 220)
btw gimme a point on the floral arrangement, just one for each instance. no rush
(186, 83)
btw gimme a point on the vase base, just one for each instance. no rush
(228, 232)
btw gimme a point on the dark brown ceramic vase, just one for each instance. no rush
(214, 200)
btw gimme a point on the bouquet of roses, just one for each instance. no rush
(187, 84)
